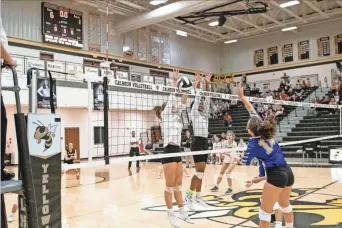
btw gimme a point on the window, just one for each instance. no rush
(91, 63)
(46, 56)
(98, 135)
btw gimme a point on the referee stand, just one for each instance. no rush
(39, 168)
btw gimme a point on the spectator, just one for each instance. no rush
(326, 100)
(299, 92)
(186, 142)
(248, 91)
(308, 83)
(281, 86)
(279, 110)
(332, 102)
(304, 85)
(227, 120)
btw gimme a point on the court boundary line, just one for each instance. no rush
(253, 217)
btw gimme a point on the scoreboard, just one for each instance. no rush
(62, 26)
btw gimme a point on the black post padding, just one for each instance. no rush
(3, 212)
(25, 170)
(52, 105)
(105, 120)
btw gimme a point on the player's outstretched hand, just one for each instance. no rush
(240, 91)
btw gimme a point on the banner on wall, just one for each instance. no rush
(148, 79)
(287, 53)
(94, 34)
(323, 45)
(40, 64)
(165, 49)
(98, 96)
(128, 47)
(56, 66)
(159, 80)
(304, 50)
(338, 44)
(43, 93)
(75, 72)
(135, 77)
(19, 68)
(142, 44)
(122, 75)
(155, 46)
(259, 58)
(91, 71)
(272, 53)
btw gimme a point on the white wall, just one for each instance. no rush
(238, 56)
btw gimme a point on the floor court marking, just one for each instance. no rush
(250, 219)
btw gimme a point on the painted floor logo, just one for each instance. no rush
(245, 205)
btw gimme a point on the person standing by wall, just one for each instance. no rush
(187, 139)
(134, 151)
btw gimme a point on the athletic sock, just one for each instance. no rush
(289, 225)
(169, 211)
(278, 224)
(182, 209)
(198, 194)
(190, 194)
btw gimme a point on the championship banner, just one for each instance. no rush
(169, 89)
(335, 156)
(98, 95)
(323, 45)
(44, 139)
(43, 93)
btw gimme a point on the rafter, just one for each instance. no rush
(265, 15)
(312, 6)
(289, 12)
(250, 23)
(235, 30)
(339, 2)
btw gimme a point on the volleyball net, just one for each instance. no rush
(131, 117)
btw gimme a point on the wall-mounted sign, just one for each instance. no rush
(323, 45)
(272, 53)
(304, 50)
(288, 53)
(259, 58)
(338, 44)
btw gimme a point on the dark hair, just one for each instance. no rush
(159, 109)
(268, 128)
(265, 129)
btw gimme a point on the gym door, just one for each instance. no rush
(72, 135)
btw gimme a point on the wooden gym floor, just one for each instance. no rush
(111, 196)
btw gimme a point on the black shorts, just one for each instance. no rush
(171, 149)
(69, 161)
(280, 176)
(199, 144)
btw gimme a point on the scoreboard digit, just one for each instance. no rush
(62, 26)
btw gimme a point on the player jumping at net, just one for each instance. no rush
(200, 121)
(170, 116)
(280, 178)
(276, 208)
(228, 161)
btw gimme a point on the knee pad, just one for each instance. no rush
(276, 206)
(220, 175)
(169, 189)
(287, 209)
(199, 175)
(228, 175)
(264, 216)
(177, 188)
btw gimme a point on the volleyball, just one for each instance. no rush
(184, 84)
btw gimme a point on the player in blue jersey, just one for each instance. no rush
(280, 179)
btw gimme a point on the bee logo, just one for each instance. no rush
(45, 133)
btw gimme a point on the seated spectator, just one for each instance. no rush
(308, 83)
(279, 110)
(304, 85)
(281, 86)
(227, 120)
(299, 92)
(326, 100)
(335, 87)
(332, 102)
(248, 91)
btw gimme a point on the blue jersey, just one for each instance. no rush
(266, 151)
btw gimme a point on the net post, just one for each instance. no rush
(105, 119)
(340, 120)
(90, 105)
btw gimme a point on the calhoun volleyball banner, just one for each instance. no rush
(168, 89)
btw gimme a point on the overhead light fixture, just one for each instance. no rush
(222, 20)
(230, 41)
(214, 23)
(289, 3)
(181, 33)
(157, 2)
(125, 48)
(289, 28)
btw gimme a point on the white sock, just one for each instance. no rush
(182, 209)
(278, 224)
(289, 225)
(169, 211)
(198, 194)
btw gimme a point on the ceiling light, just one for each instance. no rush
(214, 23)
(157, 2)
(125, 48)
(289, 3)
(181, 33)
(289, 28)
(230, 41)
